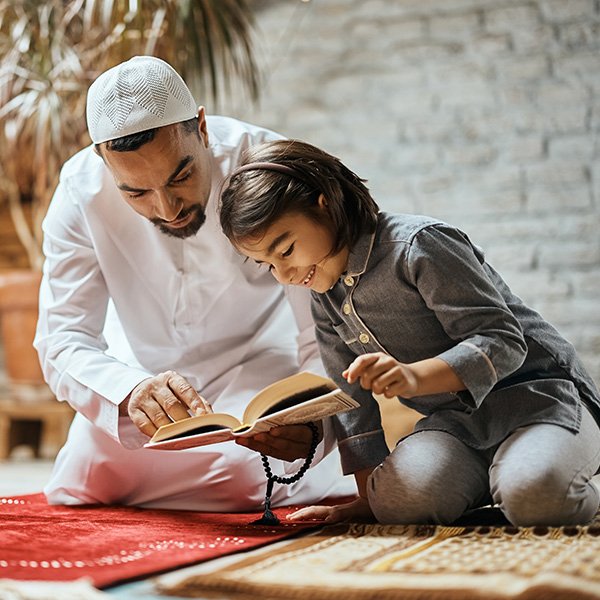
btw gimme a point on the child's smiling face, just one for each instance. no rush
(297, 248)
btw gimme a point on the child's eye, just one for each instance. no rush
(288, 251)
(263, 264)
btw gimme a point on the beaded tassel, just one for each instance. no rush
(269, 518)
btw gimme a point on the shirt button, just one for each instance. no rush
(347, 309)
(364, 338)
(349, 280)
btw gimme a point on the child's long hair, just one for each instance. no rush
(286, 176)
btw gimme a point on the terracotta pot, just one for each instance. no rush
(18, 318)
(29, 413)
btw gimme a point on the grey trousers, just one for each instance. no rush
(539, 475)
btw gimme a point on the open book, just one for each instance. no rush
(297, 399)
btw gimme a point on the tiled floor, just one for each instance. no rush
(23, 476)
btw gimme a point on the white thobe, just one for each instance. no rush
(120, 301)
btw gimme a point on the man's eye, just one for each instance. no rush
(135, 194)
(182, 178)
(288, 251)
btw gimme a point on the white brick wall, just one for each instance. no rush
(483, 112)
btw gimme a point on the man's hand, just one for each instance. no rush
(162, 399)
(287, 442)
(383, 374)
(356, 511)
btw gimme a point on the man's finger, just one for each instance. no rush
(204, 408)
(283, 450)
(183, 391)
(263, 447)
(171, 405)
(296, 433)
(157, 414)
(141, 420)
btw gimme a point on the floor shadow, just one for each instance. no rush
(486, 515)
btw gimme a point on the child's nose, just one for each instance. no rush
(284, 275)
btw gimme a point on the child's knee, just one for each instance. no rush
(547, 497)
(397, 497)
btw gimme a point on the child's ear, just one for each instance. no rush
(322, 202)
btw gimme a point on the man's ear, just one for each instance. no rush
(98, 151)
(202, 128)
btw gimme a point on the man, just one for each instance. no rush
(147, 313)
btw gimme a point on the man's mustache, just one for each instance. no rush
(197, 208)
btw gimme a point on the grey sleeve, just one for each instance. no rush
(359, 432)
(450, 275)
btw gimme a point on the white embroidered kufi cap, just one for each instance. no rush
(140, 94)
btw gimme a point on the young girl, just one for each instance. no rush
(406, 306)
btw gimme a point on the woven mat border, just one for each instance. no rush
(231, 579)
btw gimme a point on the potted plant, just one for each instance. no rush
(50, 52)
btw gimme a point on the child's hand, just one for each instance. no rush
(383, 374)
(356, 511)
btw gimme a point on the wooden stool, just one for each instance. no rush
(54, 417)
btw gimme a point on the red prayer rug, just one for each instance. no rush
(112, 544)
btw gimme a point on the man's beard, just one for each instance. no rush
(190, 229)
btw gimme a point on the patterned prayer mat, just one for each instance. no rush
(380, 562)
(110, 544)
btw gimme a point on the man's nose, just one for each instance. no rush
(168, 205)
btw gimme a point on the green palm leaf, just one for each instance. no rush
(50, 52)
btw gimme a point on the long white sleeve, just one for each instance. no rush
(73, 305)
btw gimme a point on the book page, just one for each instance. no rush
(289, 401)
(283, 389)
(195, 425)
(224, 434)
(332, 403)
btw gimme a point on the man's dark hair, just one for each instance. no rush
(129, 143)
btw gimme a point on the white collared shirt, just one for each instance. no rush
(193, 306)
